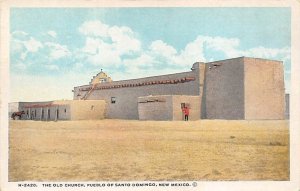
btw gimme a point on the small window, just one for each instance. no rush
(65, 110)
(182, 105)
(113, 100)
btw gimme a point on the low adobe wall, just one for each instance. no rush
(64, 110)
(88, 109)
(155, 108)
(194, 103)
(168, 107)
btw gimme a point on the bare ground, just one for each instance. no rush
(148, 150)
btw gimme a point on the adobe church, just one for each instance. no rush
(238, 88)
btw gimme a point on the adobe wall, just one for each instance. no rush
(87, 109)
(167, 107)
(224, 89)
(155, 108)
(194, 106)
(126, 106)
(287, 106)
(264, 89)
(202, 94)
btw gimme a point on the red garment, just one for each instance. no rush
(186, 111)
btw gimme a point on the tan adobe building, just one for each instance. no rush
(238, 88)
(61, 110)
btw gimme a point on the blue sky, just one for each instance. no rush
(54, 49)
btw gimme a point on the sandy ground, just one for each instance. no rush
(135, 150)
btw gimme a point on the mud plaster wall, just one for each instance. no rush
(224, 91)
(126, 106)
(195, 105)
(87, 109)
(170, 109)
(287, 106)
(231, 89)
(202, 95)
(264, 89)
(156, 110)
(65, 110)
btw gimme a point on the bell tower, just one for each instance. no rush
(101, 77)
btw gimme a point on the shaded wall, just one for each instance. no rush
(224, 91)
(287, 106)
(29, 107)
(58, 112)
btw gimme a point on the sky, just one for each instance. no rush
(53, 50)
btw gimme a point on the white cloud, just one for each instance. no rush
(272, 53)
(92, 45)
(52, 34)
(159, 47)
(229, 46)
(21, 39)
(16, 46)
(23, 55)
(192, 53)
(19, 34)
(94, 28)
(123, 40)
(160, 55)
(23, 46)
(58, 51)
(144, 60)
(32, 45)
(105, 45)
(106, 58)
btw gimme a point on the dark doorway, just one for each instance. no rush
(42, 114)
(48, 114)
(57, 114)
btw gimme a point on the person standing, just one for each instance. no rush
(186, 112)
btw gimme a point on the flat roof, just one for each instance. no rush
(243, 57)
